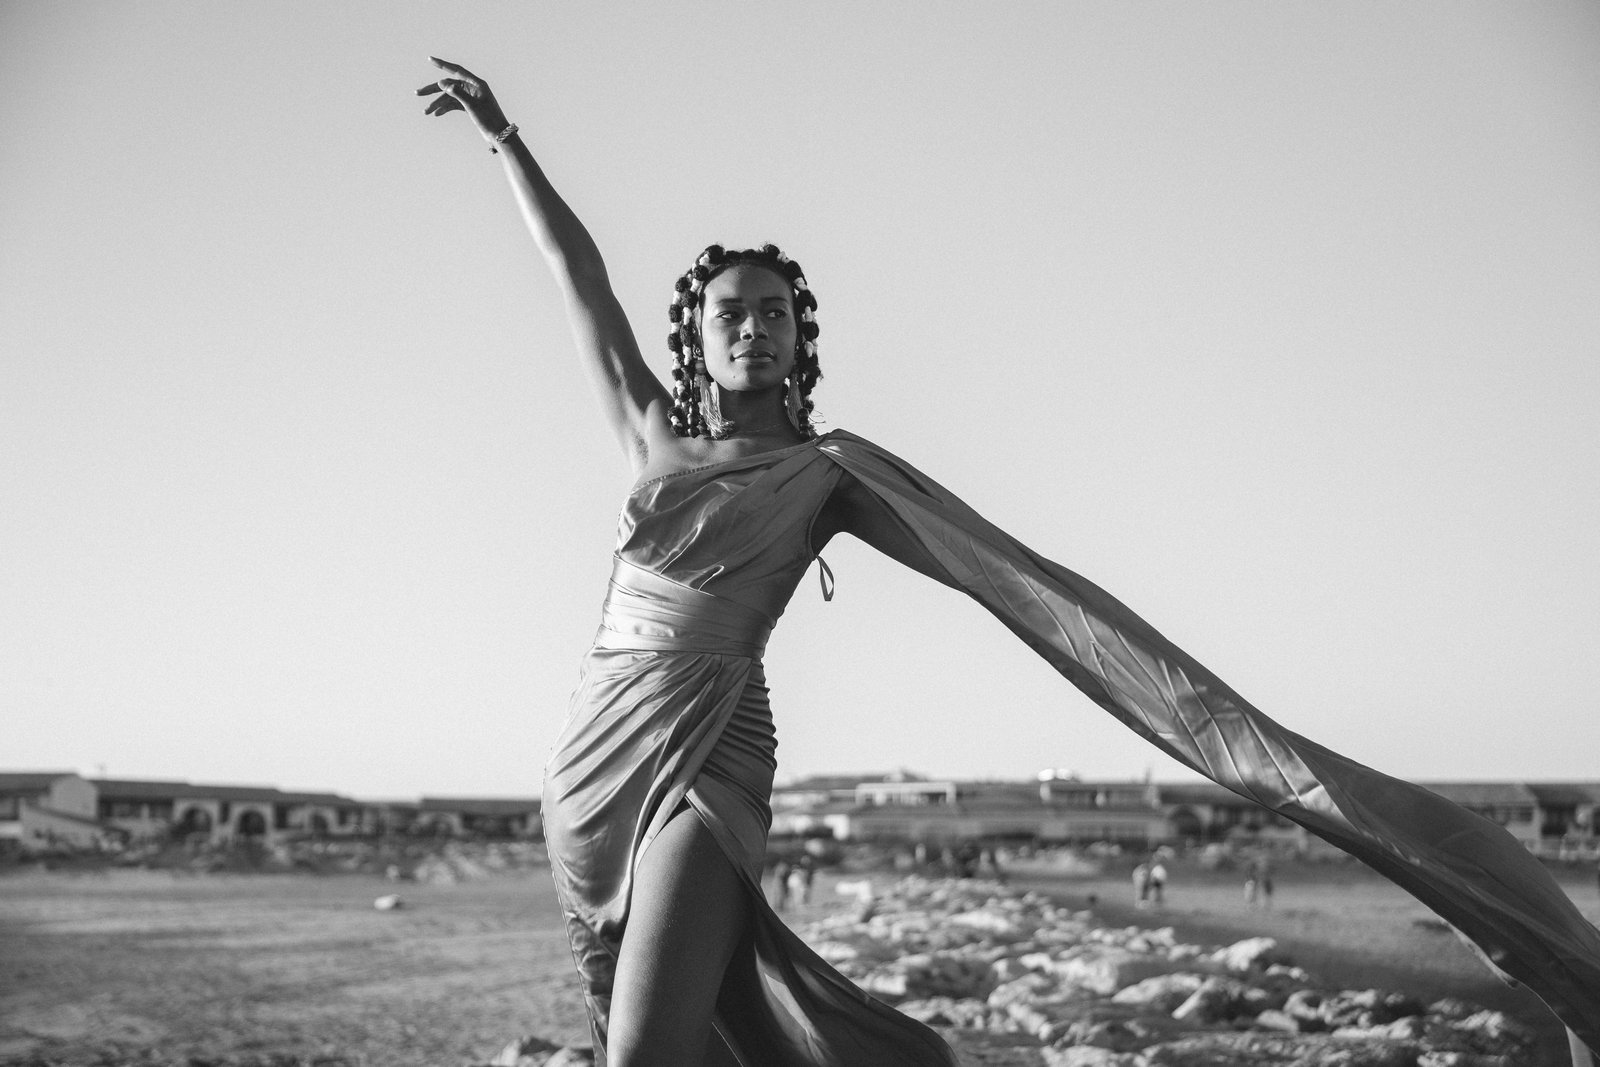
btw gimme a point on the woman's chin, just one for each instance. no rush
(750, 385)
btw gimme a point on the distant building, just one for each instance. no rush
(42, 810)
(481, 817)
(147, 810)
(1553, 818)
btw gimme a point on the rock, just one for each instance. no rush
(1304, 1006)
(1216, 1001)
(1109, 970)
(1020, 990)
(1088, 1056)
(1122, 1030)
(1277, 1050)
(1421, 1028)
(1273, 1019)
(1251, 954)
(529, 1051)
(1006, 968)
(982, 1048)
(947, 1011)
(860, 890)
(1436, 1058)
(1453, 1008)
(1161, 993)
(388, 902)
(1003, 975)
(987, 921)
(836, 952)
(1495, 1032)
(1369, 1007)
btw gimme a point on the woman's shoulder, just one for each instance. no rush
(681, 455)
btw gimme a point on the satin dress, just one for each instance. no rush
(672, 710)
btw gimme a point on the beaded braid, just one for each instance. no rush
(688, 418)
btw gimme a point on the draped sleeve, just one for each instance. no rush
(1467, 869)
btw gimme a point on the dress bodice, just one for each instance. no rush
(739, 530)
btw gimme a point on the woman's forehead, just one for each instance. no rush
(747, 281)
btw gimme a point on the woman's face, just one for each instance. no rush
(748, 330)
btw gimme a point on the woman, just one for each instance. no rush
(656, 792)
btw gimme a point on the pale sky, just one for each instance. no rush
(1280, 321)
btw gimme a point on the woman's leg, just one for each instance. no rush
(688, 912)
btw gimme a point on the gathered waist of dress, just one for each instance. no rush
(646, 611)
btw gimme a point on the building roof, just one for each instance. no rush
(1199, 793)
(492, 806)
(31, 781)
(825, 783)
(1469, 794)
(134, 789)
(999, 796)
(329, 800)
(1565, 793)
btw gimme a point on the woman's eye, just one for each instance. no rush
(777, 313)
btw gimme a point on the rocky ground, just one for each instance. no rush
(1055, 988)
(1009, 976)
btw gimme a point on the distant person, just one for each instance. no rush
(780, 884)
(1141, 885)
(657, 791)
(1158, 880)
(1258, 882)
(991, 856)
(801, 876)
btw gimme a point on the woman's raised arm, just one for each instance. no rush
(632, 399)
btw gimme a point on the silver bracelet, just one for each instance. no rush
(500, 138)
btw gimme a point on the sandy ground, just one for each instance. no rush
(212, 965)
(217, 965)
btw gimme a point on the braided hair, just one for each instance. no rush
(688, 418)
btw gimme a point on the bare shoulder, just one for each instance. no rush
(666, 453)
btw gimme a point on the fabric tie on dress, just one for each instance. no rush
(645, 611)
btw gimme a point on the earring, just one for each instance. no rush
(711, 405)
(794, 404)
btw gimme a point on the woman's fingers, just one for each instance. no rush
(459, 91)
(452, 68)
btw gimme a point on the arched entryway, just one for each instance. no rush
(194, 821)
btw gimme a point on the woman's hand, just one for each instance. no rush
(464, 91)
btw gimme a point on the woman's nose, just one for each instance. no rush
(752, 328)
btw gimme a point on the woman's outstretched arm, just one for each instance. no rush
(632, 399)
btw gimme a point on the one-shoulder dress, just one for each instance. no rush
(672, 710)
